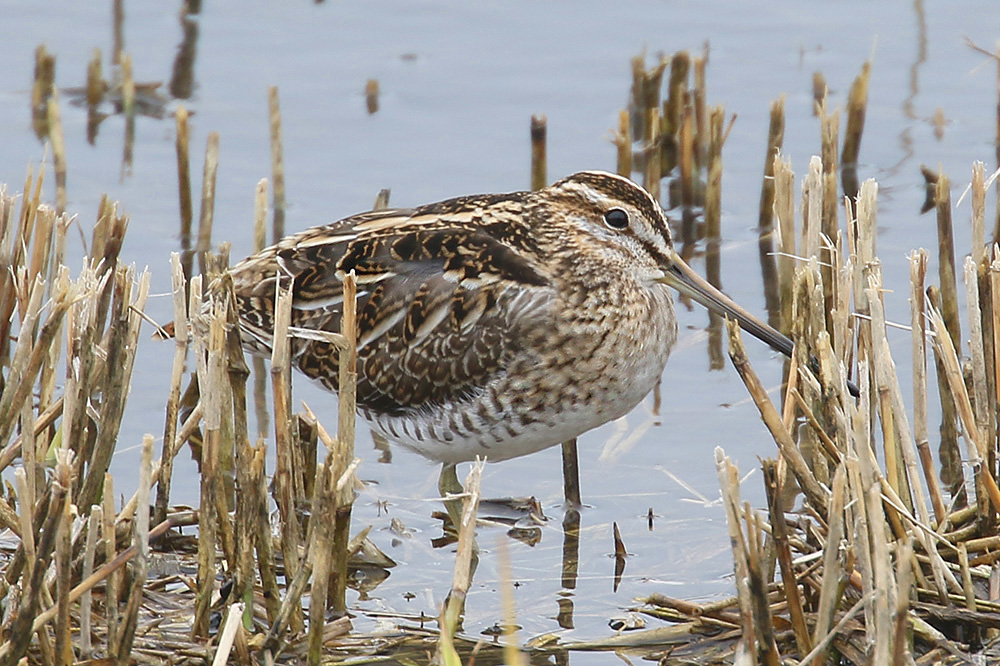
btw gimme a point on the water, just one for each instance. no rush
(459, 84)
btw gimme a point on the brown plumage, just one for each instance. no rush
(491, 325)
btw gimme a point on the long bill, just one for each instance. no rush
(682, 277)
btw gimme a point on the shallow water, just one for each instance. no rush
(459, 83)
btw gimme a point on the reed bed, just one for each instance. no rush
(867, 551)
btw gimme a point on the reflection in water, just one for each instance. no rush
(765, 220)
(182, 76)
(905, 137)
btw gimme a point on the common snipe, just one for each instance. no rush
(493, 325)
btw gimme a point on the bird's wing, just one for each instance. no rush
(441, 299)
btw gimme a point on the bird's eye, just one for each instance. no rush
(616, 218)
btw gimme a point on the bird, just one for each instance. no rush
(489, 326)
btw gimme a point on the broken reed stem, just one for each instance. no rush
(347, 399)
(857, 101)
(63, 569)
(320, 534)
(112, 593)
(784, 210)
(946, 261)
(817, 495)
(539, 163)
(766, 232)
(182, 148)
(829, 597)
(283, 475)
(652, 173)
(89, 553)
(918, 272)
(277, 166)
(173, 397)
(779, 532)
(755, 617)
(623, 142)
(830, 207)
(126, 632)
(454, 606)
(22, 628)
(207, 199)
(212, 385)
(946, 352)
(58, 150)
(982, 408)
(713, 232)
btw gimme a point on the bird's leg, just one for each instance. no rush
(449, 485)
(571, 474)
(448, 482)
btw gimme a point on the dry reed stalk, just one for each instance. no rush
(817, 495)
(122, 648)
(983, 408)
(784, 210)
(539, 163)
(41, 90)
(918, 271)
(173, 397)
(673, 106)
(58, 150)
(262, 533)
(904, 582)
(780, 534)
(212, 385)
(830, 591)
(284, 479)
(652, 172)
(207, 198)
(953, 373)
(713, 232)
(978, 214)
(96, 85)
(946, 261)
(371, 96)
(454, 606)
(967, 589)
(857, 101)
(766, 232)
(994, 280)
(63, 649)
(122, 343)
(347, 402)
(29, 354)
(755, 619)
(263, 416)
(319, 536)
(89, 553)
(699, 95)
(230, 629)
(812, 200)
(277, 165)
(831, 204)
(687, 154)
(112, 592)
(623, 142)
(181, 147)
(260, 215)
(21, 628)
(901, 449)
